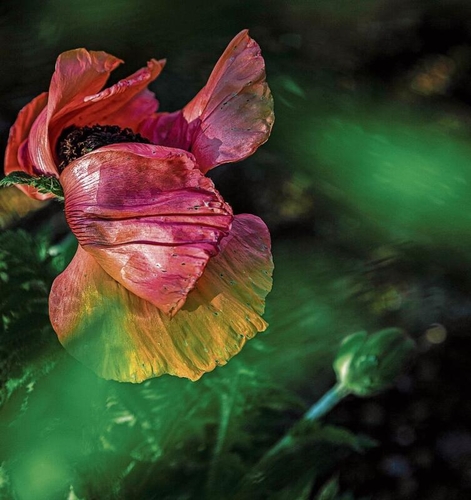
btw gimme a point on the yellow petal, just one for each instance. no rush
(123, 337)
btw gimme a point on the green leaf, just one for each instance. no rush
(29, 347)
(309, 448)
(45, 184)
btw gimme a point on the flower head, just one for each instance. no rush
(165, 279)
(367, 364)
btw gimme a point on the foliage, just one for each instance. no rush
(308, 451)
(44, 184)
(117, 441)
(27, 343)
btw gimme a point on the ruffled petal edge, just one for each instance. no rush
(125, 338)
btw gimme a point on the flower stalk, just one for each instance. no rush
(364, 365)
(330, 399)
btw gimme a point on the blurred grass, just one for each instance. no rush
(14, 205)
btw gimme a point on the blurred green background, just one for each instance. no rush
(365, 184)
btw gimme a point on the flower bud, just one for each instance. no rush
(366, 364)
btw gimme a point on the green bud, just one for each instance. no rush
(366, 364)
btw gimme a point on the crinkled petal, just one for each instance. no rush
(229, 118)
(123, 337)
(152, 222)
(17, 156)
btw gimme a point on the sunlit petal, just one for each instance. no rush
(123, 337)
(229, 118)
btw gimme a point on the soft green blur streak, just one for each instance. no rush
(401, 172)
(406, 176)
(41, 475)
(310, 310)
(55, 434)
(78, 430)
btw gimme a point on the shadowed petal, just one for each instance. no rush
(77, 74)
(151, 219)
(17, 153)
(229, 118)
(123, 337)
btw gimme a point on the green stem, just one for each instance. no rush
(45, 184)
(332, 397)
(327, 402)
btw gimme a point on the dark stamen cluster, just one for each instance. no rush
(75, 142)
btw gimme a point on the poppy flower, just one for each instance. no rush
(165, 278)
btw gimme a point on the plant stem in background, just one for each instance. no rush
(331, 398)
(327, 402)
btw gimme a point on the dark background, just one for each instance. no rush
(365, 185)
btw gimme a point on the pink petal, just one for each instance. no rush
(17, 152)
(151, 219)
(124, 104)
(77, 74)
(76, 99)
(123, 337)
(229, 118)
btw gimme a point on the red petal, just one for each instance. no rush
(124, 104)
(151, 219)
(75, 99)
(17, 153)
(125, 338)
(78, 73)
(229, 118)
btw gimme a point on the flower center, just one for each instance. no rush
(75, 142)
